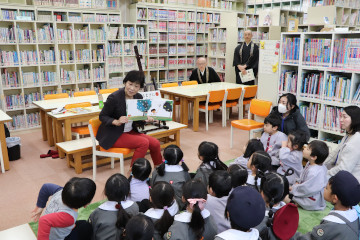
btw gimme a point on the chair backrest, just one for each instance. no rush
(93, 126)
(234, 93)
(110, 90)
(76, 105)
(56, 96)
(250, 91)
(186, 83)
(165, 85)
(216, 96)
(84, 93)
(260, 108)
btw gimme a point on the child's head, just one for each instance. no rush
(162, 197)
(195, 195)
(78, 192)
(139, 227)
(140, 169)
(272, 123)
(209, 152)
(260, 161)
(272, 188)
(296, 140)
(343, 189)
(219, 183)
(252, 146)
(153, 110)
(238, 175)
(245, 208)
(173, 155)
(316, 151)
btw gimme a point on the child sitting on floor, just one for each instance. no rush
(238, 174)
(259, 163)
(139, 180)
(139, 227)
(308, 191)
(291, 155)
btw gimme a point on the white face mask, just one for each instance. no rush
(282, 108)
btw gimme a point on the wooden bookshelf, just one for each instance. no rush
(254, 6)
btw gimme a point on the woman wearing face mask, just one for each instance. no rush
(290, 115)
(347, 155)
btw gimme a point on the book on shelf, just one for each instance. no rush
(10, 79)
(48, 78)
(9, 58)
(331, 118)
(30, 78)
(82, 55)
(33, 119)
(129, 33)
(46, 34)
(65, 35)
(47, 56)
(337, 88)
(26, 35)
(98, 55)
(7, 34)
(30, 98)
(172, 50)
(98, 35)
(356, 97)
(141, 13)
(181, 38)
(290, 50)
(140, 32)
(317, 52)
(14, 101)
(310, 113)
(288, 81)
(67, 76)
(28, 57)
(114, 49)
(82, 35)
(346, 53)
(99, 73)
(9, 14)
(311, 85)
(114, 65)
(18, 122)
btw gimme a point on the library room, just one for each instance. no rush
(179, 119)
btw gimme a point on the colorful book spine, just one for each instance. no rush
(288, 82)
(311, 85)
(30, 98)
(48, 78)
(15, 101)
(99, 73)
(30, 79)
(310, 113)
(317, 52)
(331, 118)
(337, 88)
(18, 122)
(10, 79)
(290, 50)
(67, 76)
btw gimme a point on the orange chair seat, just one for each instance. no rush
(83, 130)
(246, 124)
(116, 150)
(231, 103)
(211, 106)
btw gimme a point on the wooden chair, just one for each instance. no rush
(84, 93)
(109, 90)
(56, 96)
(79, 130)
(234, 98)
(250, 93)
(111, 152)
(257, 107)
(214, 100)
(187, 83)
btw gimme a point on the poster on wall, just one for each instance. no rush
(141, 109)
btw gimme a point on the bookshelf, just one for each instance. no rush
(254, 6)
(324, 81)
(61, 50)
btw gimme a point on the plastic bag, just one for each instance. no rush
(12, 141)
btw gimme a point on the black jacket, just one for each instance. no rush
(114, 108)
(213, 76)
(295, 121)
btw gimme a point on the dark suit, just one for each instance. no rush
(213, 76)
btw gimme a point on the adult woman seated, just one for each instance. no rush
(290, 114)
(117, 131)
(347, 154)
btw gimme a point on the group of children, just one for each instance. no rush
(243, 201)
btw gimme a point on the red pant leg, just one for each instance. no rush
(154, 147)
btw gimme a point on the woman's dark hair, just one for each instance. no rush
(253, 145)
(261, 160)
(78, 192)
(298, 137)
(320, 150)
(210, 153)
(238, 175)
(274, 120)
(291, 101)
(140, 169)
(162, 197)
(135, 76)
(220, 183)
(139, 227)
(172, 155)
(354, 113)
(195, 188)
(117, 189)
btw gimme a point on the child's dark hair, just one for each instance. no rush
(139, 227)
(117, 189)
(354, 113)
(320, 150)
(291, 101)
(274, 120)
(253, 145)
(261, 160)
(210, 153)
(298, 137)
(172, 155)
(195, 189)
(220, 183)
(140, 169)
(135, 76)
(238, 175)
(162, 197)
(78, 192)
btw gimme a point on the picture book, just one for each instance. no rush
(141, 109)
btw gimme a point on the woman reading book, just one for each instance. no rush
(117, 131)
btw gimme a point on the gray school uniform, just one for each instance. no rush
(176, 176)
(251, 181)
(263, 223)
(180, 229)
(216, 207)
(203, 172)
(103, 219)
(290, 159)
(242, 161)
(309, 192)
(233, 234)
(274, 145)
(139, 190)
(333, 227)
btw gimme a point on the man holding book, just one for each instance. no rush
(203, 73)
(246, 57)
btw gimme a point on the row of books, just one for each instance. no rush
(98, 35)
(317, 52)
(81, 35)
(114, 65)
(310, 113)
(311, 85)
(45, 34)
(9, 58)
(20, 121)
(30, 98)
(218, 35)
(99, 73)
(30, 79)
(252, 21)
(47, 56)
(98, 55)
(67, 76)
(331, 118)
(7, 34)
(28, 57)
(337, 88)
(257, 36)
(115, 82)
(241, 34)
(83, 75)
(48, 78)
(157, 62)
(10, 79)
(65, 35)
(288, 81)
(290, 50)
(78, 3)
(241, 22)
(114, 49)
(26, 35)
(346, 53)
(356, 98)
(14, 101)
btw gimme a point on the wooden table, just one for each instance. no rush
(4, 118)
(48, 105)
(196, 94)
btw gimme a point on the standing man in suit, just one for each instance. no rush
(246, 56)
(203, 73)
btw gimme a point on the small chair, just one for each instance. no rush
(84, 93)
(250, 93)
(257, 107)
(234, 97)
(174, 84)
(112, 153)
(187, 83)
(56, 96)
(110, 90)
(79, 130)
(214, 100)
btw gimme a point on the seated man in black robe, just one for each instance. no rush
(203, 73)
